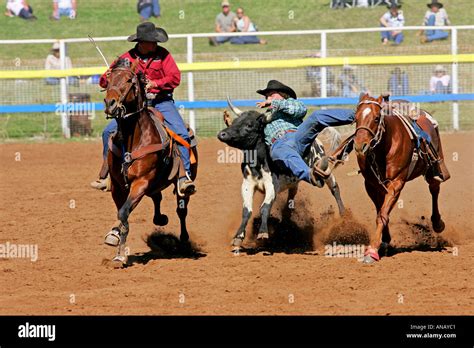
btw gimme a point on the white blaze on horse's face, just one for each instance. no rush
(366, 112)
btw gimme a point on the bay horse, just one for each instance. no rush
(142, 158)
(385, 151)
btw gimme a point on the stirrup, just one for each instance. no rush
(112, 238)
(186, 186)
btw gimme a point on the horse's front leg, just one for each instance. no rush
(182, 211)
(266, 207)
(394, 188)
(137, 191)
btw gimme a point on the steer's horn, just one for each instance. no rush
(234, 109)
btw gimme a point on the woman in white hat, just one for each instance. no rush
(440, 82)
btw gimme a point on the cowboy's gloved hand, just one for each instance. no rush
(150, 84)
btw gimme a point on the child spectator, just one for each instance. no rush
(398, 82)
(435, 16)
(243, 24)
(392, 18)
(19, 8)
(66, 8)
(148, 8)
(225, 23)
(440, 82)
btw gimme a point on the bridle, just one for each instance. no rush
(120, 106)
(376, 136)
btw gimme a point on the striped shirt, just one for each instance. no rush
(287, 114)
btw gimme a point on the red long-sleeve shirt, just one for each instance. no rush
(158, 67)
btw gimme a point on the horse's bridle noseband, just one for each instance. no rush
(376, 137)
(120, 106)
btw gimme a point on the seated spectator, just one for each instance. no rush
(19, 8)
(53, 62)
(440, 82)
(243, 24)
(148, 8)
(66, 8)
(349, 85)
(435, 16)
(313, 76)
(224, 24)
(392, 19)
(398, 82)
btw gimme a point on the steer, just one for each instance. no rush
(261, 173)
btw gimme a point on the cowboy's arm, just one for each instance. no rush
(172, 76)
(289, 107)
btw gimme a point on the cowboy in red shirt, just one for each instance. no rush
(162, 76)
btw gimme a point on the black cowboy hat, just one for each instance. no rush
(394, 5)
(435, 3)
(148, 32)
(274, 85)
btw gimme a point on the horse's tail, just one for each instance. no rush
(333, 138)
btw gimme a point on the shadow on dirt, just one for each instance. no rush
(165, 245)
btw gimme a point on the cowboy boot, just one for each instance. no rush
(186, 186)
(103, 183)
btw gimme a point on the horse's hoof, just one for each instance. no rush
(119, 261)
(112, 238)
(262, 236)
(368, 260)
(160, 220)
(438, 226)
(236, 250)
(237, 242)
(371, 256)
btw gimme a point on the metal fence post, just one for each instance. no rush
(455, 77)
(323, 53)
(63, 85)
(192, 116)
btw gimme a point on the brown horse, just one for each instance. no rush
(142, 157)
(384, 152)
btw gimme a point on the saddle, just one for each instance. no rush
(409, 115)
(169, 141)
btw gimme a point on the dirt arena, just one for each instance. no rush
(71, 276)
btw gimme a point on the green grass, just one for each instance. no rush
(119, 17)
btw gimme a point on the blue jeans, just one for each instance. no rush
(173, 121)
(242, 40)
(388, 35)
(432, 35)
(291, 148)
(153, 10)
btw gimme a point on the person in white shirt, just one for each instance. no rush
(435, 16)
(440, 82)
(53, 62)
(393, 19)
(65, 8)
(244, 24)
(19, 8)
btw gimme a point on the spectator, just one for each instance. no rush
(148, 8)
(313, 76)
(53, 62)
(435, 16)
(65, 8)
(224, 24)
(398, 82)
(440, 82)
(392, 18)
(349, 84)
(243, 24)
(19, 8)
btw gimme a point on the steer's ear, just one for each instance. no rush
(227, 118)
